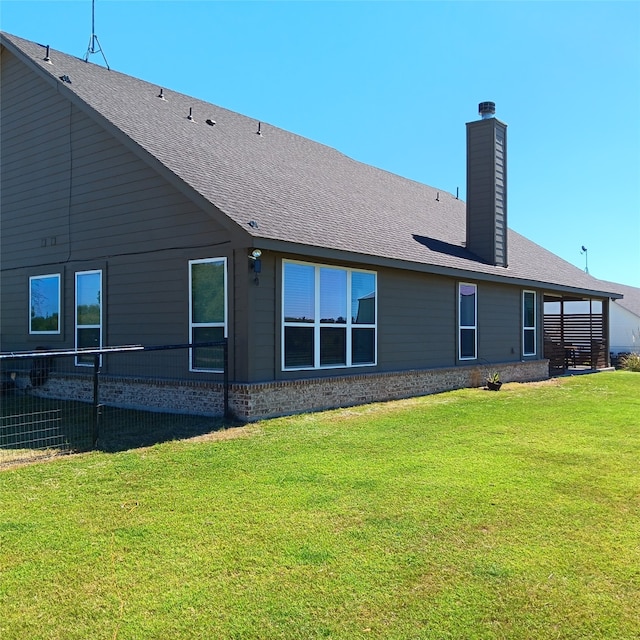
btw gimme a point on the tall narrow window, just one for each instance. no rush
(529, 323)
(363, 317)
(467, 321)
(44, 304)
(208, 312)
(299, 301)
(329, 316)
(88, 313)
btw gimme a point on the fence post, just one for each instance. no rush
(96, 399)
(225, 364)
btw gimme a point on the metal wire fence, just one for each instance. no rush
(55, 402)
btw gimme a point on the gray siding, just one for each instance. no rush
(417, 323)
(264, 341)
(75, 199)
(35, 168)
(255, 327)
(499, 323)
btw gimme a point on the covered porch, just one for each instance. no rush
(576, 331)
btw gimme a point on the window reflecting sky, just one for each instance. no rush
(45, 296)
(88, 289)
(299, 297)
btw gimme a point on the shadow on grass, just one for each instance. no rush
(122, 429)
(33, 427)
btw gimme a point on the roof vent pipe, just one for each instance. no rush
(161, 95)
(190, 116)
(46, 57)
(487, 110)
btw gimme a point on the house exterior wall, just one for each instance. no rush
(75, 199)
(417, 324)
(624, 330)
(417, 321)
(257, 323)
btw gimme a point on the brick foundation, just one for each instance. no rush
(171, 396)
(249, 402)
(270, 399)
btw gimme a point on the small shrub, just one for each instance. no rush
(631, 362)
(493, 382)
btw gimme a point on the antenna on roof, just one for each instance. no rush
(93, 40)
(586, 260)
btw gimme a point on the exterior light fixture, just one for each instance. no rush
(255, 262)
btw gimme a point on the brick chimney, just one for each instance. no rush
(487, 186)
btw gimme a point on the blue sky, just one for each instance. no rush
(393, 83)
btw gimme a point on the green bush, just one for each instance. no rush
(631, 362)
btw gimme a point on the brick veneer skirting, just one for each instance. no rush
(248, 402)
(173, 396)
(265, 400)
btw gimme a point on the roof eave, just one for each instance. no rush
(367, 260)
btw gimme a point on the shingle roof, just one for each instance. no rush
(631, 300)
(297, 191)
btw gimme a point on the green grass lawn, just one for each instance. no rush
(469, 514)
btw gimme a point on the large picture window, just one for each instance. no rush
(529, 323)
(207, 312)
(88, 313)
(44, 304)
(467, 321)
(329, 316)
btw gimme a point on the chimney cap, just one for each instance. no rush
(487, 109)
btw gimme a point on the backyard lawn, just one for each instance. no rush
(469, 514)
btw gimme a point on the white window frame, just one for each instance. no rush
(42, 277)
(533, 328)
(468, 327)
(75, 313)
(349, 326)
(194, 325)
